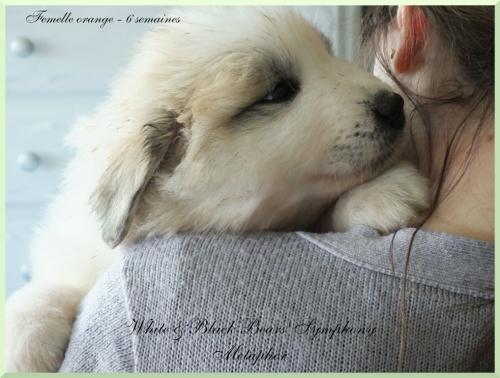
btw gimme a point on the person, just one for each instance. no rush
(420, 299)
(441, 59)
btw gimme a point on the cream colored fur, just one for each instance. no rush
(173, 148)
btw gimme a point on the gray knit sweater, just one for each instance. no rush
(289, 302)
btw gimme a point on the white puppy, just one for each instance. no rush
(234, 119)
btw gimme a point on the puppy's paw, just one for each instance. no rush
(391, 201)
(39, 320)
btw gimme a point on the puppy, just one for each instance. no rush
(234, 119)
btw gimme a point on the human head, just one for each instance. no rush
(428, 46)
(439, 57)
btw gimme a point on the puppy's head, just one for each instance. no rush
(240, 119)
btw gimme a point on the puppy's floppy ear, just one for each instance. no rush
(130, 168)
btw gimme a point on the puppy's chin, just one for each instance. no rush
(381, 163)
(384, 159)
(356, 173)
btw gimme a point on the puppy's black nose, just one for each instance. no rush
(388, 109)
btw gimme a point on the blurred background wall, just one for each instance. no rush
(56, 72)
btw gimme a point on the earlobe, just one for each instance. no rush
(413, 25)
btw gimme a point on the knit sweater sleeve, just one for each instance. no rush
(103, 323)
(290, 302)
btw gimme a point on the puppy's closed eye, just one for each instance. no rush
(281, 92)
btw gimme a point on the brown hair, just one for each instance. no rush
(466, 36)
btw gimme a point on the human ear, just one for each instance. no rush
(413, 26)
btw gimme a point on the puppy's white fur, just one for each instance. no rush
(183, 143)
(388, 202)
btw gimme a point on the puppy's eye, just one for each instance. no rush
(282, 91)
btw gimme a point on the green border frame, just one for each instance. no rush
(4, 3)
